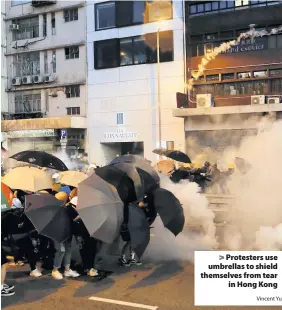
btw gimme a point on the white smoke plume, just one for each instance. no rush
(256, 214)
(252, 34)
(196, 209)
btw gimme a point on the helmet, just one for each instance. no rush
(73, 193)
(62, 196)
(43, 192)
(16, 203)
(56, 187)
(187, 165)
(197, 166)
(74, 201)
(231, 166)
(56, 177)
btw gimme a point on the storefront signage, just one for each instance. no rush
(31, 133)
(249, 45)
(120, 135)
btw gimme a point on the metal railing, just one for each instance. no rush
(26, 68)
(28, 32)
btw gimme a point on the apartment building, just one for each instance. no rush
(240, 85)
(46, 72)
(132, 86)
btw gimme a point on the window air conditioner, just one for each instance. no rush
(27, 80)
(14, 27)
(258, 99)
(38, 79)
(16, 81)
(49, 78)
(204, 101)
(273, 100)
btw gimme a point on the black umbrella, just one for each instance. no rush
(133, 174)
(139, 162)
(178, 156)
(48, 216)
(148, 181)
(120, 180)
(170, 210)
(139, 229)
(100, 208)
(41, 159)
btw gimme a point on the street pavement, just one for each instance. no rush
(167, 285)
(165, 280)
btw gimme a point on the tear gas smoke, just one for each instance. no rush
(256, 214)
(209, 56)
(197, 213)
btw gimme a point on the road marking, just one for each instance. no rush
(123, 303)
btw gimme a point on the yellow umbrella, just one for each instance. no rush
(164, 166)
(28, 179)
(72, 178)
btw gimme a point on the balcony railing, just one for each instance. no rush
(28, 106)
(42, 3)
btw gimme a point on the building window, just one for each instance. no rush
(28, 28)
(211, 36)
(27, 102)
(212, 77)
(73, 111)
(158, 10)
(54, 64)
(119, 118)
(227, 76)
(71, 15)
(275, 72)
(260, 73)
(73, 91)
(26, 64)
(45, 62)
(53, 23)
(19, 2)
(133, 50)
(125, 13)
(72, 52)
(106, 54)
(276, 86)
(208, 7)
(105, 15)
(44, 25)
(244, 75)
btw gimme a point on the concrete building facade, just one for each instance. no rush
(45, 55)
(239, 86)
(127, 86)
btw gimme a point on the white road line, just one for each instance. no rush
(123, 303)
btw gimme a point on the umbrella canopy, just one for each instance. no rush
(28, 179)
(148, 181)
(139, 229)
(41, 159)
(100, 208)
(48, 216)
(72, 178)
(165, 166)
(170, 210)
(178, 156)
(120, 180)
(6, 197)
(132, 173)
(159, 151)
(139, 162)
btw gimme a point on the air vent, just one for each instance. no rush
(204, 101)
(258, 99)
(27, 80)
(273, 100)
(16, 81)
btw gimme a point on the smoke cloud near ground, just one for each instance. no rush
(256, 215)
(164, 245)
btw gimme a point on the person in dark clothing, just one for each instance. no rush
(87, 245)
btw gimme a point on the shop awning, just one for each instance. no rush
(44, 123)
